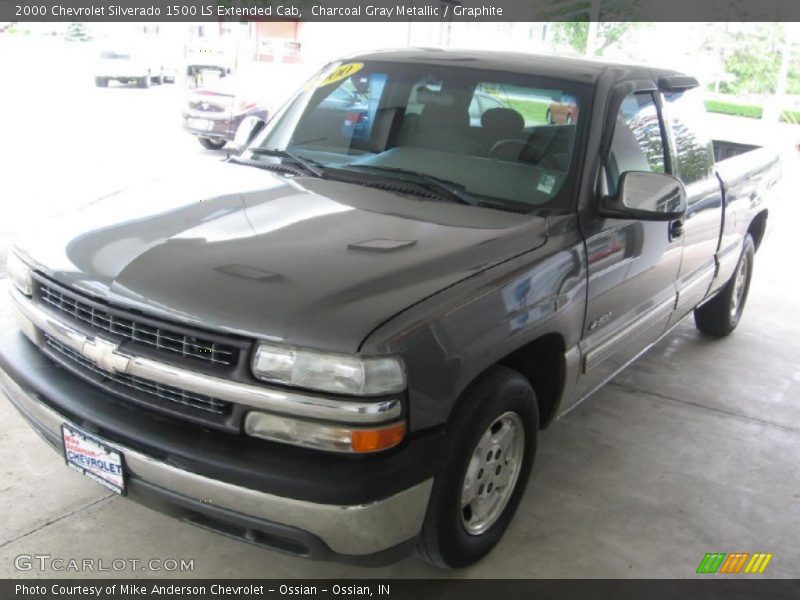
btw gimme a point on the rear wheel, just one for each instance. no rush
(101, 81)
(211, 144)
(490, 447)
(721, 315)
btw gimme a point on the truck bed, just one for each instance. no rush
(724, 150)
(746, 168)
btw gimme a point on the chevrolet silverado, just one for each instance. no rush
(342, 342)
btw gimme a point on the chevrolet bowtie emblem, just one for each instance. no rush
(105, 355)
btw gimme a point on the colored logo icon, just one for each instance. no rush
(735, 562)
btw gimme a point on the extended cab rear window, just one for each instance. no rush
(694, 151)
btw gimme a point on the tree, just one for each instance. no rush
(576, 34)
(590, 26)
(77, 32)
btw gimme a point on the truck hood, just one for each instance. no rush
(300, 260)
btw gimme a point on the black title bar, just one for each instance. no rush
(700, 588)
(398, 10)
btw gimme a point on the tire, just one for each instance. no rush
(211, 144)
(144, 82)
(550, 117)
(720, 316)
(453, 536)
(568, 120)
(160, 79)
(101, 81)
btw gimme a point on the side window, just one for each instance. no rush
(637, 144)
(480, 103)
(536, 106)
(693, 147)
(420, 94)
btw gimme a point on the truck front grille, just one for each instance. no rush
(164, 393)
(127, 326)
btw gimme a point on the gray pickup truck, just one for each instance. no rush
(341, 342)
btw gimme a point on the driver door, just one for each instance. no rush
(632, 264)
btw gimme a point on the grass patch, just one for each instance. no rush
(751, 111)
(532, 111)
(790, 116)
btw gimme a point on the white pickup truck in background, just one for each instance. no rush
(132, 65)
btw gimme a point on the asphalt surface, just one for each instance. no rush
(693, 449)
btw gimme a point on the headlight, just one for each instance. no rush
(19, 273)
(329, 372)
(333, 437)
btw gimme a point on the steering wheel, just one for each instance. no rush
(537, 153)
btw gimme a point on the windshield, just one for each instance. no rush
(504, 137)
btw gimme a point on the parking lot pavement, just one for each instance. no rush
(695, 448)
(70, 143)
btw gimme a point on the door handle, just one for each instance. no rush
(675, 229)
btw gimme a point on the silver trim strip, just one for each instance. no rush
(614, 342)
(616, 372)
(703, 275)
(693, 289)
(354, 530)
(105, 355)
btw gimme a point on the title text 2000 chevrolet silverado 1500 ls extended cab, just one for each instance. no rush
(342, 342)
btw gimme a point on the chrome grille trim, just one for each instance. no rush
(275, 400)
(136, 331)
(167, 393)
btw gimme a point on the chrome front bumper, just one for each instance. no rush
(353, 531)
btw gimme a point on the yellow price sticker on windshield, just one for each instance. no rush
(341, 72)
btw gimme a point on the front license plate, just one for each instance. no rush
(92, 458)
(201, 124)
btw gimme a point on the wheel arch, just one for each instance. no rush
(758, 227)
(542, 363)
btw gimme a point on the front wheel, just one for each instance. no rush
(721, 315)
(211, 144)
(489, 452)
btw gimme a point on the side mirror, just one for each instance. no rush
(647, 197)
(248, 129)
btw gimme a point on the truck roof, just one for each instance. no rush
(559, 67)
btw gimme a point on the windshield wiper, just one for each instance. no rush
(309, 165)
(440, 187)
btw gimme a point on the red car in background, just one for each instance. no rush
(212, 112)
(563, 111)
